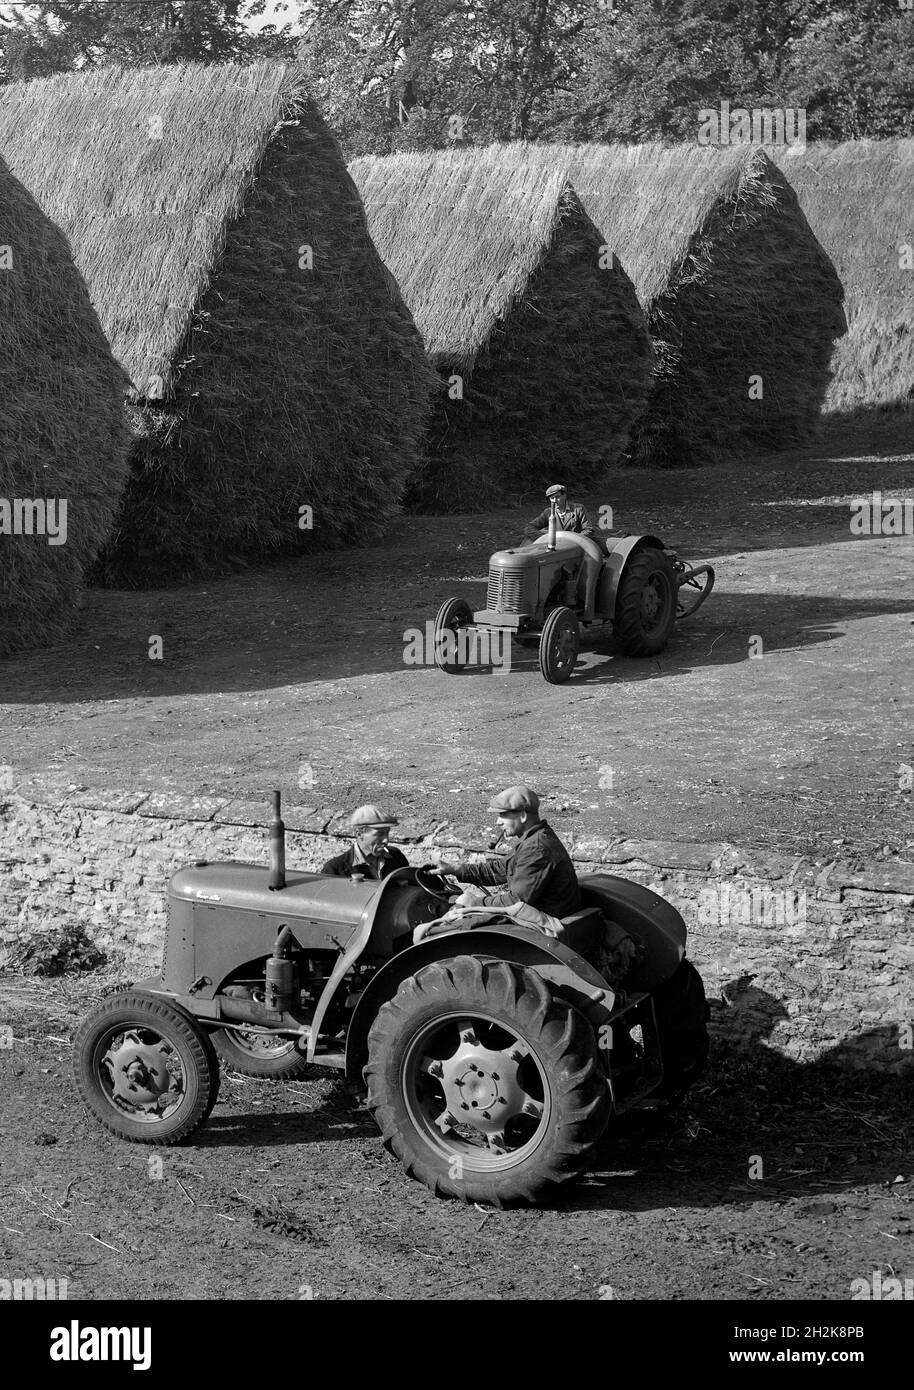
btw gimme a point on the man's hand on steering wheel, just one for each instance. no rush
(435, 883)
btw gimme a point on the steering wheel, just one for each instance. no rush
(435, 884)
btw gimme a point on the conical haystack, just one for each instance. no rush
(535, 331)
(64, 440)
(279, 389)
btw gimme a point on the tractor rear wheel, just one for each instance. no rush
(452, 616)
(146, 1068)
(645, 603)
(559, 642)
(484, 1084)
(261, 1054)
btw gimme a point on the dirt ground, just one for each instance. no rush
(300, 667)
(288, 1193)
(294, 675)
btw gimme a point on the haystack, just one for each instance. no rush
(539, 342)
(274, 368)
(743, 305)
(858, 197)
(63, 438)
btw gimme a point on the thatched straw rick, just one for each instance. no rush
(743, 304)
(63, 437)
(859, 199)
(273, 366)
(535, 331)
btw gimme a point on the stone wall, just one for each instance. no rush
(812, 960)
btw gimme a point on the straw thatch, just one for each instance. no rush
(734, 285)
(501, 269)
(858, 198)
(260, 386)
(63, 436)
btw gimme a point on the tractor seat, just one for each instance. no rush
(582, 931)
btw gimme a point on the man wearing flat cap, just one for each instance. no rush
(369, 854)
(570, 517)
(539, 872)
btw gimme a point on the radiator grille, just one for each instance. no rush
(506, 592)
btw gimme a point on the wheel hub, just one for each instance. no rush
(650, 602)
(482, 1088)
(138, 1072)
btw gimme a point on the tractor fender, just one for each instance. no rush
(646, 916)
(567, 972)
(618, 554)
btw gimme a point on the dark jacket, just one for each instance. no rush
(539, 872)
(342, 865)
(574, 518)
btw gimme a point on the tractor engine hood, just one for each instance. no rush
(514, 575)
(313, 897)
(221, 915)
(536, 556)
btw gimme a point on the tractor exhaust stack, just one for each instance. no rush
(553, 527)
(277, 847)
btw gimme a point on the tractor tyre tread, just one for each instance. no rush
(283, 1068)
(140, 1009)
(627, 626)
(548, 668)
(563, 1041)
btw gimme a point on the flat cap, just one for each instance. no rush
(516, 799)
(555, 489)
(369, 818)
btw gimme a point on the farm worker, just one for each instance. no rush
(539, 872)
(369, 853)
(570, 517)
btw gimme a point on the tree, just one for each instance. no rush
(57, 37)
(396, 74)
(656, 63)
(853, 71)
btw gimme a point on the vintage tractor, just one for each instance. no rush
(545, 591)
(494, 1055)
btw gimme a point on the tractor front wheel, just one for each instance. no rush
(484, 1084)
(559, 644)
(645, 603)
(146, 1068)
(449, 654)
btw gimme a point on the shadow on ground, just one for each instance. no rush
(236, 650)
(813, 1130)
(807, 1130)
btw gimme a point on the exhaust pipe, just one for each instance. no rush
(277, 847)
(553, 528)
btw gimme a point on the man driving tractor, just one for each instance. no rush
(570, 517)
(369, 854)
(539, 872)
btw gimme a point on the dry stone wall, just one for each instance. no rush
(814, 961)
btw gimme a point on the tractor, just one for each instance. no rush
(494, 1055)
(543, 593)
